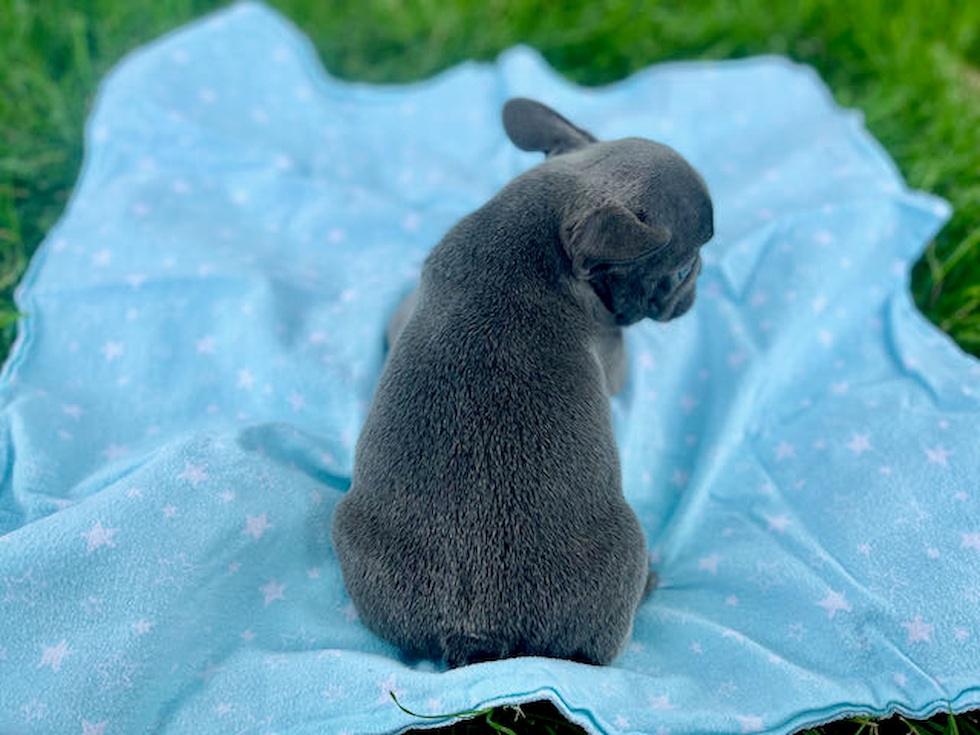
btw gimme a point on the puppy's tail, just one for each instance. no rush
(461, 649)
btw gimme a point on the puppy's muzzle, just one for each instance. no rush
(680, 298)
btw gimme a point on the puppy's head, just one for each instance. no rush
(634, 213)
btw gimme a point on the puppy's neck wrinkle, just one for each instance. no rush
(510, 243)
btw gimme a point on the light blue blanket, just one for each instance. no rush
(204, 333)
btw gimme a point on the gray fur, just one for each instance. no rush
(485, 517)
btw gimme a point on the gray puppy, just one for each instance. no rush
(486, 518)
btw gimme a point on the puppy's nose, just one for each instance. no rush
(707, 221)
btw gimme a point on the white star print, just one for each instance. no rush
(34, 710)
(53, 655)
(750, 723)
(971, 540)
(20, 589)
(142, 627)
(205, 345)
(709, 563)
(223, 708)
(313, 573)
(784, 450)
(112, 350)
(170, 511)
(661, 702)
(96, 728)
(860, 443)
(272, 591)
(961, 634)
(778, 523)
(919, 630)
(248, 636)
(833, 603)
(74, 411)
(91, 605)
(938, 456)
(114, 452)
(296, 401)
(411, 222)
(688, 402)
(388, 688)
(98, 536)
(256, 526)
(727, 688)
(208, 672)
(193, 473)
(115, 673)
(245, 379)
(174, 570)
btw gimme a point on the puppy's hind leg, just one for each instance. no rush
(650, 585)
(400, 318)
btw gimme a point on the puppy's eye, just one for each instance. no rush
(641, 215)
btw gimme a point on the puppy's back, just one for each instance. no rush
(485, 517)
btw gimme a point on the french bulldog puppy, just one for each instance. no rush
(486, 517)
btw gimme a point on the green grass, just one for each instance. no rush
(910, 65)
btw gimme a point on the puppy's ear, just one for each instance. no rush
(536, 127)
(610, 235)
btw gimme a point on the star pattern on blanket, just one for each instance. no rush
(94, 728)
(256, 526)
(115, 673)
(98, 536)
(53, 656)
